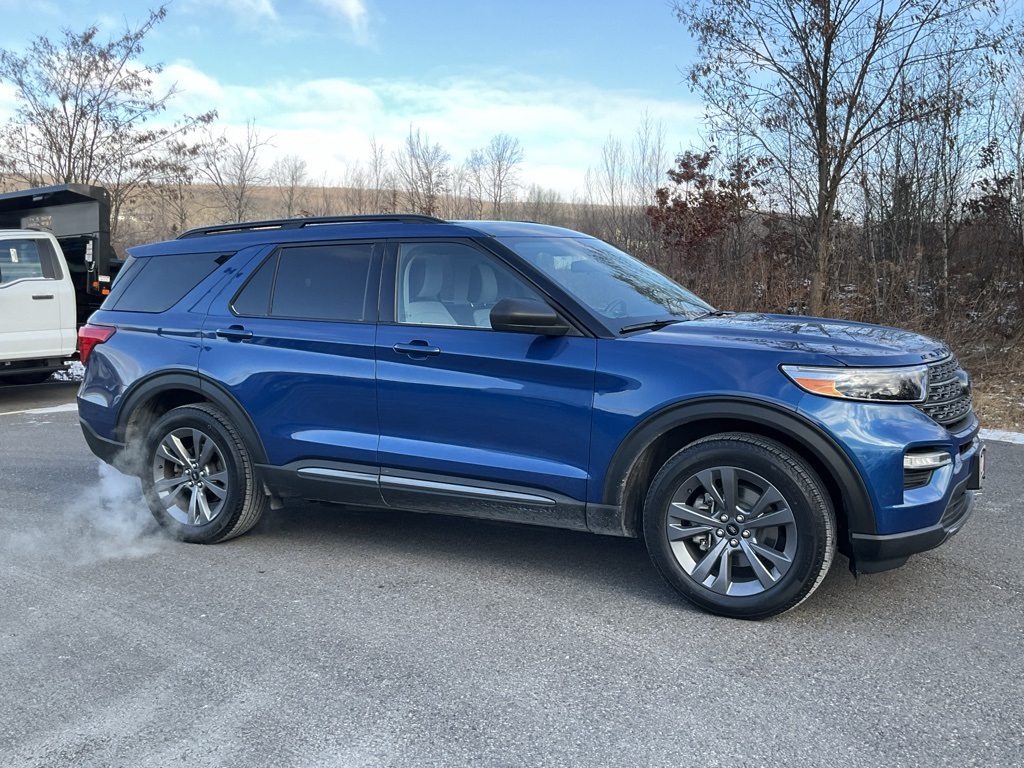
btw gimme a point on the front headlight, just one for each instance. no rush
(890, 385)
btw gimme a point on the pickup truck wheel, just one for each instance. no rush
(198, 476)
(740, 526)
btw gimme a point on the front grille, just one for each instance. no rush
(949, 400)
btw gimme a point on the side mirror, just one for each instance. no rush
(527, 316)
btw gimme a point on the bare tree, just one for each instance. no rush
(377, 177)
(810, 81)
(86, 112)
(289, 175)
(475, 171)
(356, 190)
(647, 162)
(171, 196)
(544, 206)
(234, 169)
(504, 157)
(423, 171)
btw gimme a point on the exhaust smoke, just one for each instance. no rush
(105, 521)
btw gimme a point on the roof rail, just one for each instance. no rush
(254, 226)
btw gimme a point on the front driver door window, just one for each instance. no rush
(452, 284)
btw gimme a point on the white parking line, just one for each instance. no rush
(64, 407)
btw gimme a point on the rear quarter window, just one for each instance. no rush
(157, 283)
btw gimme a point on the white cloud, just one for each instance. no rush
(329, 121)
(353, 13)
(8, 100)
(192, 85)
(250, 9)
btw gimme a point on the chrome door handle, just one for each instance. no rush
(234, 333)
(417, 349)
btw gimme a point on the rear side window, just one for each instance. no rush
(157, 283)
(319, 282)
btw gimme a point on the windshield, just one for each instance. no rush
(610, 283)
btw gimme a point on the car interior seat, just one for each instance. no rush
(423, 279)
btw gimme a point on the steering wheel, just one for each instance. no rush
(615, 308)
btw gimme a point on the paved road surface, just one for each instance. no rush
(335, 637)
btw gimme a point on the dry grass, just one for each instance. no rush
(999, 390)
(999, 407)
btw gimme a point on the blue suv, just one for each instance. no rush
(528, 373)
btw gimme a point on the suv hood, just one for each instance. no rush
(845, 342)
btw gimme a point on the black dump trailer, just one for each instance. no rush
(78, 215)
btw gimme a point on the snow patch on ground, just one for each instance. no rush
(1002, 436)
(74, 372)
(64, 407)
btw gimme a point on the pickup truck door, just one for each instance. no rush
(37, 310)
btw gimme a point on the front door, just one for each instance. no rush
(475, 420)
(33, 301)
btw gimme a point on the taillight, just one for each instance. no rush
(89, 336)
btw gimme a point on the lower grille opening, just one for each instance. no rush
(916, 478)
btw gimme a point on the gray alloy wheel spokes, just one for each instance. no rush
(190, 476)
(731, 531)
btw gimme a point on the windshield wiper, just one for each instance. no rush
(651, 325)
(716, 313)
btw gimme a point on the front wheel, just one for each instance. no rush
(198, 476)
(740, 526)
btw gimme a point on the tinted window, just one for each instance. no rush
(323, 282)
(122, 279)
(20, 259)
(158, 283)
(254, 298)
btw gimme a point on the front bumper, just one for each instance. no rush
(873, 553)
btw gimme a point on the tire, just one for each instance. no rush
(214, 495)
(740, 526)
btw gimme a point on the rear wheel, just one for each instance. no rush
(198, 476)
(740, 526)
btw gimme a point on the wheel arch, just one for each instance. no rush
(645, 450)
(155, 395)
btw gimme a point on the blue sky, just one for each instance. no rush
(322, 76)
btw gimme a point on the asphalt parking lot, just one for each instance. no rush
(341, 637)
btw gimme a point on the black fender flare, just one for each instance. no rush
(795, 429)
(155, 384)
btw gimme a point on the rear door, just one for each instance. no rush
(33, 299)
(475, 420)
(295, 347)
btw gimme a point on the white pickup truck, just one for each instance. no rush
(38, 319)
